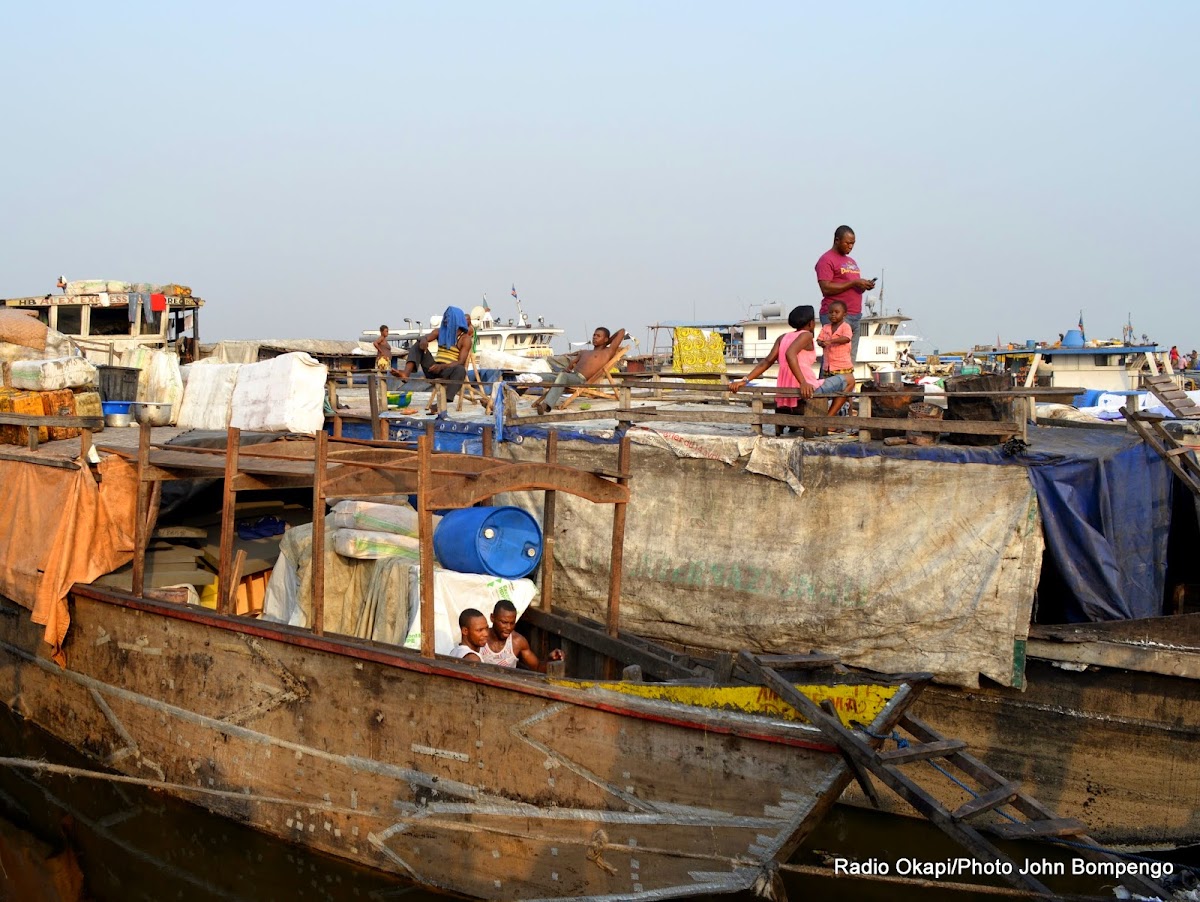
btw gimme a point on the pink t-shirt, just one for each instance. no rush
(786, 378)
(837, 357)
(835, 267)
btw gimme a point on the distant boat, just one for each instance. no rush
(516, 336)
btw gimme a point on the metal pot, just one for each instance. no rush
(889, 377)
(156, 413)
(116, 420)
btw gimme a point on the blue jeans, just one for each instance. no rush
(852, 320)
(832, 385)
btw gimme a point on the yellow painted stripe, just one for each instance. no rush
(861, 703)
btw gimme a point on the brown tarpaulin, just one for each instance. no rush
(59, 527)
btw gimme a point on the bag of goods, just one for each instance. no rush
(13, 401)
(77, 287)
(372, 516)
(207, 395)
(19, 328)
(371, 546)
(283, 394)
(59, 403)
(53, 375)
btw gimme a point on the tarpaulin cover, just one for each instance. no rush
(892, 565)
(1105, 501)
(59, 527)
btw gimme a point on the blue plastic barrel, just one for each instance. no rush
(498, 541)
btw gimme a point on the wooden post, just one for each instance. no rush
(617, 558)
(140, 536)
(85, 444)
(489, 450)
(373, 391)
(331, 394)
(425, 536)
(756, 412)
(864, 410)
(548, 507)
(320, 455)
(228, 502)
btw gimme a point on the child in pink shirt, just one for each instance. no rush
(835, 338)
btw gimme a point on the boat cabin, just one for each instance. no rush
(103, 325)
(1114, 368)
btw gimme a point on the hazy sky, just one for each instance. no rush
(316, 169)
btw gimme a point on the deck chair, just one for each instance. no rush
(593, 387)
(473, 387)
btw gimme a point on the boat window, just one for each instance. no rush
(70, 320)
(762, 333)
(109, 321)
(1104, 360)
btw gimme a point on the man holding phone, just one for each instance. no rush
(840, 279)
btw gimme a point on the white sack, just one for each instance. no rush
(284, 394)
(52, 375)
(364, 545)
(208, 396)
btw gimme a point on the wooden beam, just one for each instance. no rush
(922, 751)
(233, 439)
(548, 511)
(617, 557)
(425, 536)
(318, 536)
(614, 647)
(141, 535)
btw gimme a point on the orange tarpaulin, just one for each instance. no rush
(59, 527)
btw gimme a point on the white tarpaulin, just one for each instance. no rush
(896, 565)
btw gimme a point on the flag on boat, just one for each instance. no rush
(485, 303)
(1081, 322)
(514, 289)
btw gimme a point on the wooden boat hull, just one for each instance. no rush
(493, 784)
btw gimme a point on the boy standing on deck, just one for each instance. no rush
(836, 338)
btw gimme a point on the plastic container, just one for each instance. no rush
(121, 407)
(118, 383)
(498, 541)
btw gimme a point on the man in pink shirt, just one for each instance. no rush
(840, 279)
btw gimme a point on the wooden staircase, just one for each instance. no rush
(1181, 458)
(1175, 399)
(1026, 818)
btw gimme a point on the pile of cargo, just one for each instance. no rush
(39, 378)
(111, 287)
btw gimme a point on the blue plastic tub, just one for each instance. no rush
(498, 541)
(115, 406)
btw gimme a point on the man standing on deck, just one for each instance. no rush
(840, 279)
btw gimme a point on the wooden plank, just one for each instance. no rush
(1058, 826)
(58, 462)
(787, 662)
(613, 647)
(425, 535)
(1179, 662)
(37, 419)
(992, 799)
(922, 751)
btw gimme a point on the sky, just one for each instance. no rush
(313, 169)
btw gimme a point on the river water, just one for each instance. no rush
(65, 839)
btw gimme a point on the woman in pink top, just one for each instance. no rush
(798, 373)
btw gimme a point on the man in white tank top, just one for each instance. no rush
(474, 628)
(505, 647)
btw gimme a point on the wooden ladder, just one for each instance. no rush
(1181, 458)
(1031, 820)
(1174, 398)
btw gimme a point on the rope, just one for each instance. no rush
(45, 766)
